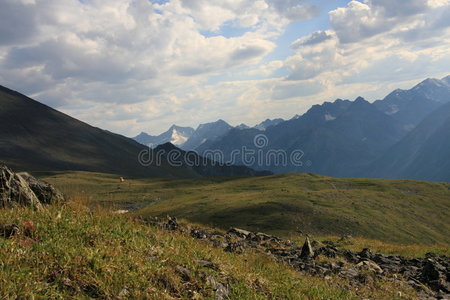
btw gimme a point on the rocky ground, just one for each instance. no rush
(430, 276)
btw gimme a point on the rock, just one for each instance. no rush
(328, 251)
(184, 273)
(349, 273)
(432, 270)
(207, 264)
(172, 224)
(239, 232)
(307, 251)
(350, 256)
(370, 265)
(199, 233)
(236, 247)
(15, 191)
(366, 253)
(221, 291)
(8, 231)
(44, 191)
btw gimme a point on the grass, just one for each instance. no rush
(76, 253)
(394, 211)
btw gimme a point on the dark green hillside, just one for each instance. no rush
(35, 137)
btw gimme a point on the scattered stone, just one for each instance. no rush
(307, 251)
(430, 276)
(370, 266)
(199, 233)
(366, 253)
(239, 232)
(207, 264)
(235, 247)
(172, 224)
(221, 291)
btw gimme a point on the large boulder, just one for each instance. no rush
(22, 189)
(45, 192)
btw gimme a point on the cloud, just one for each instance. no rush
(315, 54)
(294, 9)
(248, 52)
(359, 21)
(297, 89)
(375, 41)
(17, 22)
(137, 65)
(313, 39)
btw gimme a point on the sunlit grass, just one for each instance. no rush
(396, 211)
(76, 252)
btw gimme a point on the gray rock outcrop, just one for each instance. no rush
(22, 189)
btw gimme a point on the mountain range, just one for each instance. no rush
(37, 138)
(403, 135)
(188, 138)
(176, 135)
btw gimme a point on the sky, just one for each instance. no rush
(138, 65)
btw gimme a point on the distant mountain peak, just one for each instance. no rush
(268, 123)
(175, 134)
(242, 126)
(217, 123)
(446, 79)
(360, 99)
(429, 82)
(206, 132)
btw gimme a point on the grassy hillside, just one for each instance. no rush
(396, 211)
(72, 253)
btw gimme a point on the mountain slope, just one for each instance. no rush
(424, 153)
(36, 137)
(176, 135)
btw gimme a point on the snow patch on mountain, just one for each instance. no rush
(329, 117)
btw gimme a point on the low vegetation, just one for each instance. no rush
(72, 252)
(394, 211)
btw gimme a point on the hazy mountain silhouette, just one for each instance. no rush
(423, 154)
(176, 135)
(35, 137)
